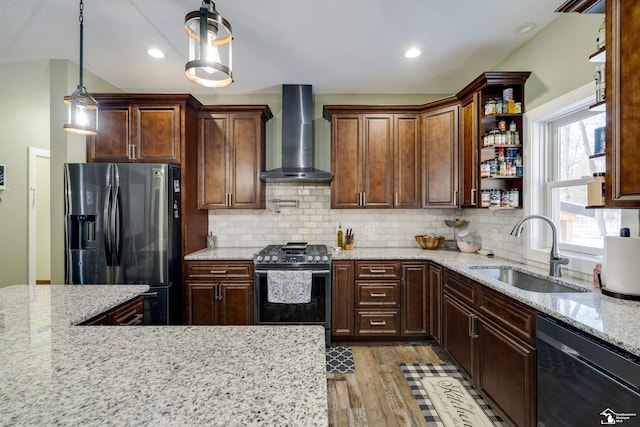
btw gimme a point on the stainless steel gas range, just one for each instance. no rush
(293, 285)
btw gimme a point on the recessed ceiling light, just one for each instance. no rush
(155, 53)
(525, 28)
(412, 53)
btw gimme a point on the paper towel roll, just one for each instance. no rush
(621, 267)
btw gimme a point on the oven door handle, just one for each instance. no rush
(284, 269)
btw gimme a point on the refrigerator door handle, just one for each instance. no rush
(106, 218)
(117, 225)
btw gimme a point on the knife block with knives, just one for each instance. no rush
(349, 239)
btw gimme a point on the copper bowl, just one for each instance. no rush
(429, 242)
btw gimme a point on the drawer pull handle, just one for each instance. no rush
(377, 271)
(378, 323)
(218, 272)
(133, 321)
(378, 294)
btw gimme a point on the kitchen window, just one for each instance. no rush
(560, 149)
(570, 142)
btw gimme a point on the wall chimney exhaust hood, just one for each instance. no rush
(297, 138)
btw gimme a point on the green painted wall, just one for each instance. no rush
(557, 56)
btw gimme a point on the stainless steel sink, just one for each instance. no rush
(524, 281)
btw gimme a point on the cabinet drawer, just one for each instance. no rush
(383, 294)
(377, 270)
(129, 314)
(208, 270)
(382, 322)
(508, 313)
(460, 287)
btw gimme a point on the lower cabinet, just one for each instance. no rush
(491, 337)
(380, 298)
(219, 293)
(131, 313)
(435, 302)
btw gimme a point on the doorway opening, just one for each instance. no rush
(39, 229)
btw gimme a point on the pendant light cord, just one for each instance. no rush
(81, 19)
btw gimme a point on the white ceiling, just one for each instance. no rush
(338, 46)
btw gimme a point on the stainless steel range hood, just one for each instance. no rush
(297, 138)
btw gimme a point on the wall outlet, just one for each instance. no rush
(369, 230)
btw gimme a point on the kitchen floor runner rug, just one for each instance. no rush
(340, 360)
(446, 398)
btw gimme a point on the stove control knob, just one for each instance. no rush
(317, 258)
(274, 258)
(309, 258)
(259, 258)
(267, 258)
(325, 258)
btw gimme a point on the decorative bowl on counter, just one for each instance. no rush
(429, 242)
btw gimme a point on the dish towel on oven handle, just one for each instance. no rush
(289, 287)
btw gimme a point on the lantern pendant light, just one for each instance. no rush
(210, 40)
(83, 109)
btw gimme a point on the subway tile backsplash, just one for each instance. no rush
(314, 221)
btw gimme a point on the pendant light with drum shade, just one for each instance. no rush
(83, 109)
(210, 40)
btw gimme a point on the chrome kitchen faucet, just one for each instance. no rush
(555, 260)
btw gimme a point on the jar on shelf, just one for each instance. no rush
(514, 198)
(490, 107)
(486, 198)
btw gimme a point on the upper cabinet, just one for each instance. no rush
(622, 100)
(230, 156)
(139, 128)
(440, 154)
(375, 156)
(491, 130)
(622, 179)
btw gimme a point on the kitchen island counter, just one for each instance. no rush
(55, 373)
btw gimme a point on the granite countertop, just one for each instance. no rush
(613, 320)
(55, 373)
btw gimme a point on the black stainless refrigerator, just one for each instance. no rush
(122, 226)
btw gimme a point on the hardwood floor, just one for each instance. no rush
(377, 394)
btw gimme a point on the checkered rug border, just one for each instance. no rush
(340, 360)
(414, 372)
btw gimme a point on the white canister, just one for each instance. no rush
(595, 190)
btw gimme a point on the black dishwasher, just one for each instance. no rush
(584, 381)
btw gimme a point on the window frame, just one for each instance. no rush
(537, 239)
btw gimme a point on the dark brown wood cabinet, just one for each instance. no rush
(415, 299)
(435, 301)
(477, 122)
(468, 152)
(440, 126)
(491, 337)
(622, 179)
(342, 299)
(380, 298)
(130, 313)
(375, 156)
(231, 155)
(219, 293)
(139, 128)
